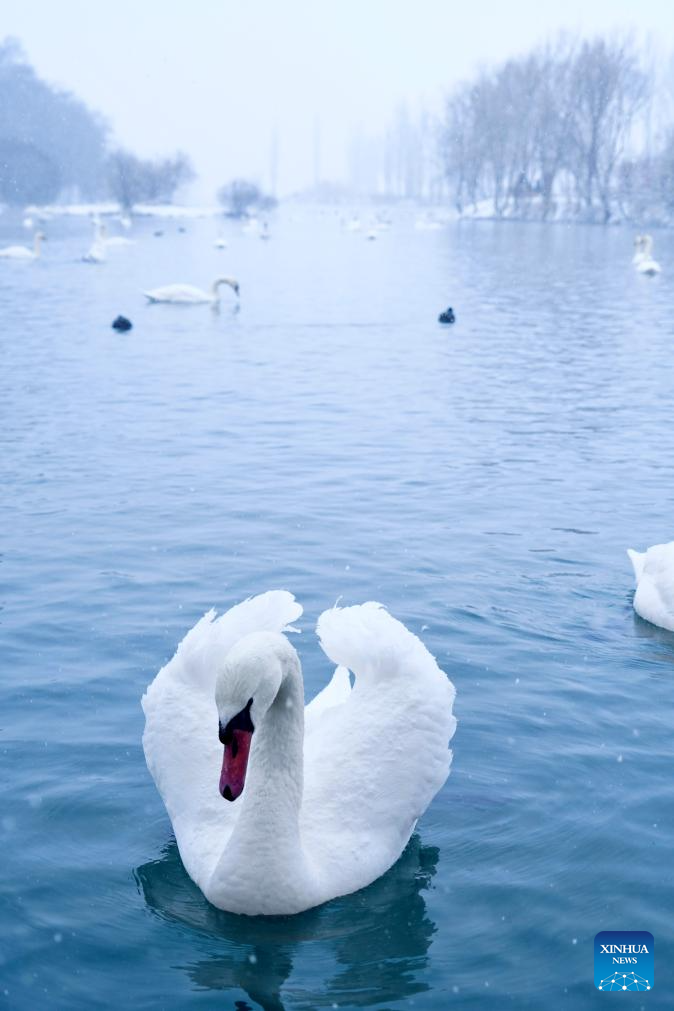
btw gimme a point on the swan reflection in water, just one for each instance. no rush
(362, 949)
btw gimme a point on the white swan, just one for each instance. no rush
(96, 252)
(23, 252)
(654, 578)
(188, 294)
(332, 791)
(643, 259)
(114, 240)
(220, 243)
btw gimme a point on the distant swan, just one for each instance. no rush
(187, 294)
(642, 259)
(324, 797)
(23, 252)
(96, 251)
(220, 243)
(114, 240)
(654, 577)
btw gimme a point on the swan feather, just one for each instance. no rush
(654, 576)
(374, 755)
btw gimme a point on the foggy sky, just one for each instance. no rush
(221, 78)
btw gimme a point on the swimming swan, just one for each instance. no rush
(654, 577)
(187, 294)
(642, 259)
(96, 251)
(114, 240)
(312, 802)
(23, 252)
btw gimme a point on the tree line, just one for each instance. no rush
(554, 129)
(53, 146)
(565, 130)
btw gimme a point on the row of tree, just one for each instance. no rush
(52, 145)
(49, 141)
(565, 130)
(553, 127)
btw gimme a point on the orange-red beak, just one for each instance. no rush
(236, 737)
(234, 764)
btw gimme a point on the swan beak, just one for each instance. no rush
(235, 764)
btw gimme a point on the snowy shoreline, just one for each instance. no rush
(429, 217)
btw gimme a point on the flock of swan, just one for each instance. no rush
(174, 294)
(285, 805)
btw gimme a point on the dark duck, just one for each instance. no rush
(122, 324)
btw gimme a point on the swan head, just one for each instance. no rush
(232, 282)
(245, 689)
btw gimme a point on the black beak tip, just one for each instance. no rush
(227, 793)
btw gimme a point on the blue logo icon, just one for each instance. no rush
(624, 960)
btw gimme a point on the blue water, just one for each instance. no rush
(483, 481)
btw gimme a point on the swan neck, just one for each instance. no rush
(215, 287)
(273, 795)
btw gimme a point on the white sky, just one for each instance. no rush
(217, 78)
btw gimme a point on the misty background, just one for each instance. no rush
(299, 94)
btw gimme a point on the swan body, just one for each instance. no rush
(103, 241)
(311, 802)
(112, 240)
(643, 257)
(23, 252)
(220, 243)
(188, 294)
(119, 240)
(654, 578)
(95, 253)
